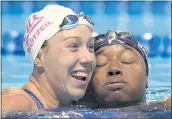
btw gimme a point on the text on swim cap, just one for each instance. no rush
(42, 28)
(31, 24)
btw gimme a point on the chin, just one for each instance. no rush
(76, 94)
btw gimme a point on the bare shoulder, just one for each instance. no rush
(13, 90)
(15, 99)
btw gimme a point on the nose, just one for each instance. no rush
(87, 58)
(114, 71)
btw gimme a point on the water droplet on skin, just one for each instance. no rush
(114, 80)
(63, 85)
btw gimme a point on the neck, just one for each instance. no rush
(44, 89)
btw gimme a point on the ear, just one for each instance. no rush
(39, 59)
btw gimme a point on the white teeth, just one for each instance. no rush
(82, 74)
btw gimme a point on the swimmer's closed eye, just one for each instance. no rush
(101, 60)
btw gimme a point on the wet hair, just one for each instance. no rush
(45, 44)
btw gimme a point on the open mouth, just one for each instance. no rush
(82, 76)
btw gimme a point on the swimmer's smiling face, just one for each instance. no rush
(69, 62)
(120, 76)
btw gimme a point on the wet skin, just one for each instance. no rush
(120, 76)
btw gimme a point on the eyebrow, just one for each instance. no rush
(72, 37)
(91, 39)
(126, 47)
(79, 38)
(100, 51)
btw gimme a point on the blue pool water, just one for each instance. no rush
(16, 70)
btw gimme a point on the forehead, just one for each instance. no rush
(80, 30)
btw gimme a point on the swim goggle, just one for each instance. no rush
(72, 20)
(113, 37)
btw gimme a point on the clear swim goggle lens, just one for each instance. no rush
(74, 19)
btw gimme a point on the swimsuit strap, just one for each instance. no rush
(35, 99)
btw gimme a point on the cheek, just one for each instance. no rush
(135, 76)
(135, 69)
(99, 78)
(61, 58)
(58, 65)
(140, 73)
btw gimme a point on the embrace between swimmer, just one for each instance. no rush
(64, 52)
